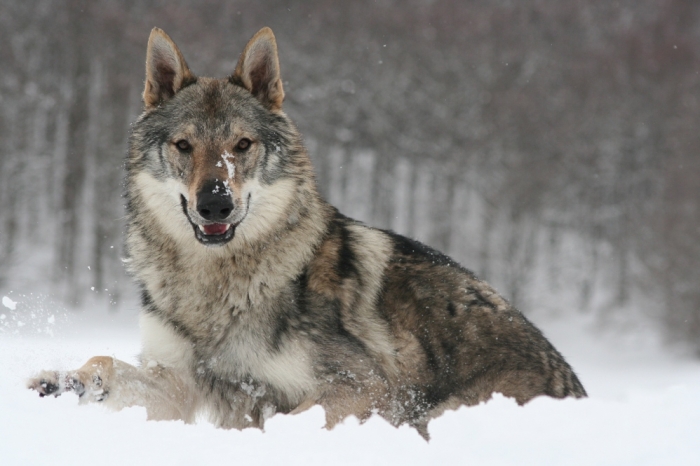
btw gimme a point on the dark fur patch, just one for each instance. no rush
(346, 265)
(451, 309)
(411, 250)
(146, 299)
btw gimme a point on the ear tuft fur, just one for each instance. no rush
(166, 70)
(258, 70)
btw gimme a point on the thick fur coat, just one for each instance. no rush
(261, 298)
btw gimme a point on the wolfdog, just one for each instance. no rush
(258, 297)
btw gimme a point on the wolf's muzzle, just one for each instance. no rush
(214, 202)
(214, 226)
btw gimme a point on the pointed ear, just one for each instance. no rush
(258, 70)
(166, 70)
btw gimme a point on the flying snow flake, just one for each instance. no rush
(8, 303)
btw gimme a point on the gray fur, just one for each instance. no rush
(301, 305)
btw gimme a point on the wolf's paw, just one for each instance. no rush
(90, 382)
(50, 383)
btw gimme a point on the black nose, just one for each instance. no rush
(214, 201)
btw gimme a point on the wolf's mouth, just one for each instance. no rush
(215, 229)
(213, 234)
(216, 234)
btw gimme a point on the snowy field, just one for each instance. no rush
(644, 409)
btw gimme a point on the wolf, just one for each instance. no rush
(258, 297)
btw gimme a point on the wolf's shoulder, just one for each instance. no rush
(353, 250)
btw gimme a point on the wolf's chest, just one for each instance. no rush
(247, 355)
(233, 338)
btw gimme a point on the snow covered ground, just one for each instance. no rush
(644, 408)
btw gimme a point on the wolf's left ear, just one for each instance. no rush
(258, 70)
(166, 70)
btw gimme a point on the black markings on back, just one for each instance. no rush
(478, 299)
(347, 259)
(412, 251)
(451, 309)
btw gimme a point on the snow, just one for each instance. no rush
(228, 158)
(644, 409)
(8, 303)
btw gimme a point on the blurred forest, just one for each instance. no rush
(551, 147)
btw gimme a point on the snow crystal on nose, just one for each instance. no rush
(228, 188)
(228, 161)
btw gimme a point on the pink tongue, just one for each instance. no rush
(215, 229)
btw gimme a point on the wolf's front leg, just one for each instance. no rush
(90, 382)
(165, 393)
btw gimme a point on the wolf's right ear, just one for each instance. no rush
(166, 70)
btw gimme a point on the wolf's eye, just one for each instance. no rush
(183, 145)
(243, 145)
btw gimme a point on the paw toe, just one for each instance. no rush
(77, 386)
(49, 388)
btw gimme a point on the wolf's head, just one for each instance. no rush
(211, 160)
